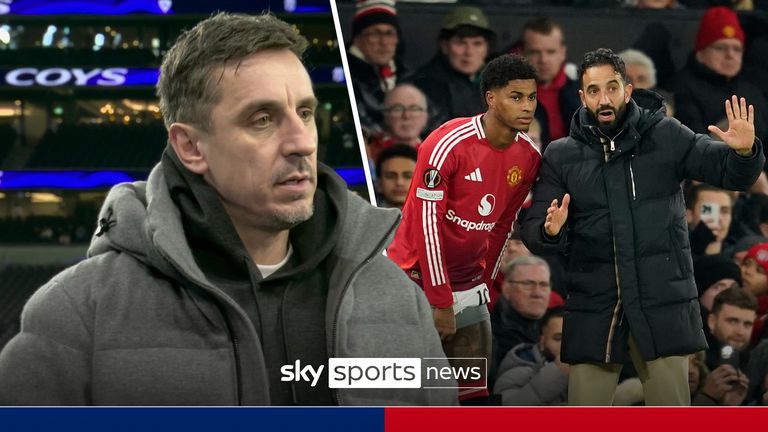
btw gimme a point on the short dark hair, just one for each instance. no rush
(187, 87)
(554, 312)
(504, 69)
(543, 25)
(397, 150)
(601, 57)
(734, 296)
(692, 197)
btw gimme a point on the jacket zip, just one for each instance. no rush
(632, 177)
(612, 329)
(614, 319)
(222, 298)
(238, 371)
(379, 248)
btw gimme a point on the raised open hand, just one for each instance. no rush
(741, 126)
(556, 216)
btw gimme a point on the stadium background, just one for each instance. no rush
(78, 113)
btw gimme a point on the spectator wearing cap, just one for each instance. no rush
(713, 73)
(753, 272)
(543, 43)
(714, 274)
(373, 61)
(743, 245)
(451, 80)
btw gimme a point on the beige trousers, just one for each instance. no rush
(665, 380)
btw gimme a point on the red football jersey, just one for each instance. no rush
(461, 204)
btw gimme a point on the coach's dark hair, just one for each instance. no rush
(504, 69)
(191, 68)
(601, 57)
(397, 150)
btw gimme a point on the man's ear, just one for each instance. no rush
(185, 140)
(711, 321)
(490, 98)
(628, 92)
(581, 96)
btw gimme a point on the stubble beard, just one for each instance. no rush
(287, 219)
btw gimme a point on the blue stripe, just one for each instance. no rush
(105, 179)
(191, 419)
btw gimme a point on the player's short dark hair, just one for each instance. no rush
(601, 57)
(503, 69)
(734, 296)
(397, 150)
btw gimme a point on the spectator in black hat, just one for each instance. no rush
(373, 63)
(451, 80)
(713, 274)
(743, 245)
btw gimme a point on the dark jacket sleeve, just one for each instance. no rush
(548, 187)
(48, 363)
(705, 159)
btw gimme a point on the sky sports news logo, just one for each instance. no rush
(388, 372)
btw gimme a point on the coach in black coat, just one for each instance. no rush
(625, 234)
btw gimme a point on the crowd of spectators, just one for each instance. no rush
(400, 104)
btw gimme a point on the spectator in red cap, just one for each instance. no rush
(753, 272)
(713, 74)
(373, 64)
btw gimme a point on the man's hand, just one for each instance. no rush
(556, 216)
(724, 385)
(741, 126)
(738, 392)
(445, 322)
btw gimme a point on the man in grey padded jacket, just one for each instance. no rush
(239, 256)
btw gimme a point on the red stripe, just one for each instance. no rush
(575, 419)
(375, 9)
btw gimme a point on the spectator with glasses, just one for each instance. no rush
(524, 299)
(713, 74)
(405, 117)
(373, 65)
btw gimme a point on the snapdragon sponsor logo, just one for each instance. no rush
(387, 372)
(467, 224)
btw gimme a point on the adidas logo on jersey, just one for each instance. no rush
(474, 176)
